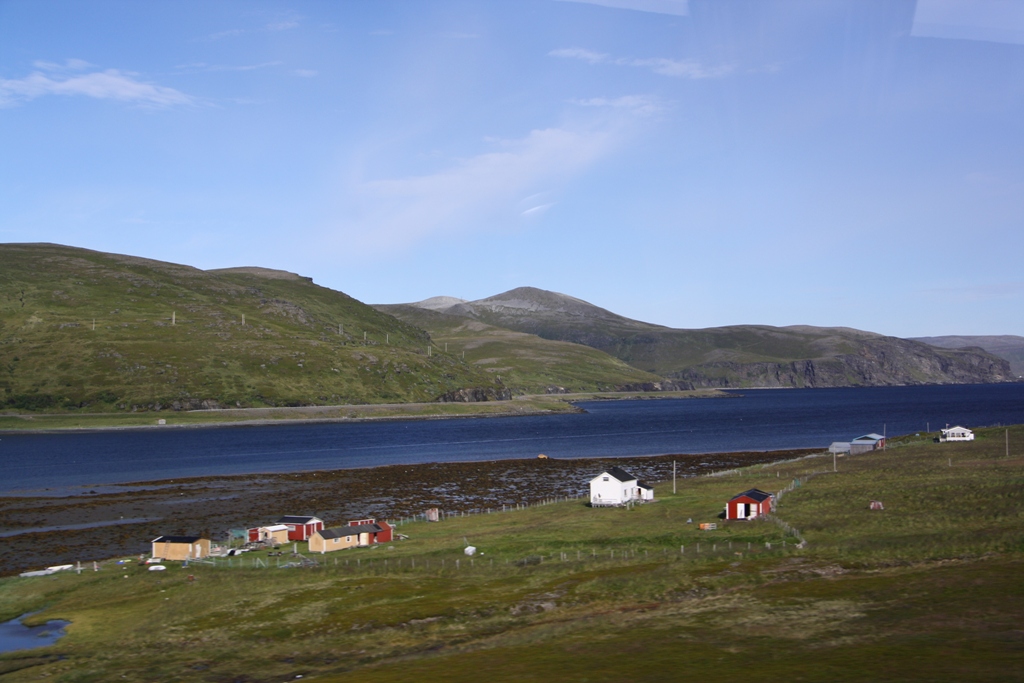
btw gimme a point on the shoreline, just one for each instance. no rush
(213, 504)
(532, 405)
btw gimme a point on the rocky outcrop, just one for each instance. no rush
(667, 385)
(475, 395)
(887, 361)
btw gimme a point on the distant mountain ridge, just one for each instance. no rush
(1008, 346)
(737, 355)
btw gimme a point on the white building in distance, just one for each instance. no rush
(956, 434)
(618, 487)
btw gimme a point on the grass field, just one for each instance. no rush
(927, 589)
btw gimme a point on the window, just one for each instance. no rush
(604, 478)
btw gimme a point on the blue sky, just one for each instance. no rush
(691, 164)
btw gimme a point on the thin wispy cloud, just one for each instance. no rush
(581, 54)
(642, 105)
(305, 73)
(537, 211)
(282, 25)
(68, 80)
(278, 25)
(221, 35)
(474, 192)
(677, 68)
(680, 8)
(203, 66)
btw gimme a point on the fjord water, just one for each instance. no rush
(748, 420)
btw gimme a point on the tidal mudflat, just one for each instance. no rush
(114, 520)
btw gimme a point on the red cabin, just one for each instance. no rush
(749, 504)
(301, 528)
(374, 531)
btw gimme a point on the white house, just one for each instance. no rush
(617, 487)
(956, 434)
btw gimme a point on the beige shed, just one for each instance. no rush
(328, 540)
(181, 547)
(275, 534)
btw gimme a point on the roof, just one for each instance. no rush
(364, 529)
(275, 527)
(297, 519)
(958, 427)
(620, 474)
(755, 494)
(177, 539)
(337, 532)
(642, 485)
(872, 436)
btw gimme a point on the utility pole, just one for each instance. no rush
(243, 320)
(172, 317)
(673, 477)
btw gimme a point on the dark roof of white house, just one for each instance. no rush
(297, 519)
(177, 539)
(755, 494)
(642, 485)
(620, 474)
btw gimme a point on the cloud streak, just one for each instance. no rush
(679, 8)
(642, 105)
(110, 84)
(203, 66)
(676, 68)
(483, 190)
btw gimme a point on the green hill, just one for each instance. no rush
(526, 362)
(86, 330)
(734, 356)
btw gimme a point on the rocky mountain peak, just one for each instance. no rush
(439, 303)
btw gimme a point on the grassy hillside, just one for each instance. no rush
(85, 330)
(738, 355)
(525, 362)
(927, 589)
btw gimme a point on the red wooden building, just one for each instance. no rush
(301, 528)
(749, 504)
(372, 531)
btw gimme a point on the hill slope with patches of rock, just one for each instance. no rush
(739, 355)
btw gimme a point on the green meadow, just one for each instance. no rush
(927, 589)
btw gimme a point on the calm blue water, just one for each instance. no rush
(754, 420)
(16, 636)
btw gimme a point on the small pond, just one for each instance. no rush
(14, 635)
